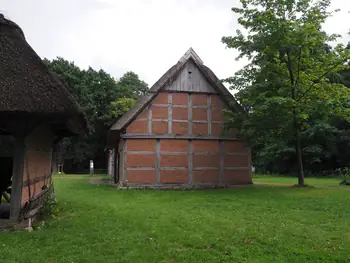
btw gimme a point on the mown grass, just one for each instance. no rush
(260, 223)
(312, 181)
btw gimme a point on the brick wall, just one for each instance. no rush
(182, 114)
(183, 161)
(157, 160)
(37, 163)
(140, 162)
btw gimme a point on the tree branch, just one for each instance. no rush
(298, 71)
(320, 77)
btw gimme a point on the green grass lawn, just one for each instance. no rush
(260, 223)
(313, 181)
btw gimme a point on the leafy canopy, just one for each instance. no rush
(286, 87)
(102, 98)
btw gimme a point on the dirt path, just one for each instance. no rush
(99, 181)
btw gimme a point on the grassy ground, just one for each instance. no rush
(260, 223)
(317, 182)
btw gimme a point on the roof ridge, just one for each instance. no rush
(190, 53)
(8, 22)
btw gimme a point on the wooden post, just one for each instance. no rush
(190, 114)
(91, 167)
(170, 113)
(190, 163)
(17, 177)
(209, 109)
(60, 168)
(222, 164)
(158, 161)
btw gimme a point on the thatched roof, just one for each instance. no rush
(27, 87)
(167, 78)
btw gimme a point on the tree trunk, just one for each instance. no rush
(295, 122)
(298, 151)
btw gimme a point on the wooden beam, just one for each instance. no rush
(236, 168)
(140, 169)
(209, 114)
(250, 164)
(158, 161)
(190, 162)
(36, 180)
(175, 136)
(17, 177)
(149, 120)
(222, 164)
(170, 113)
(174, 168)
(190, 114)
(140, 152)
(206, 168)
(124, 149)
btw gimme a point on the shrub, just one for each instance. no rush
(344, 173)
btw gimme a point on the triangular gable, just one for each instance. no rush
(191, 54)
(164, 82)
(191, 79)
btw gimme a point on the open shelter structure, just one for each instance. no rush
(36, 111)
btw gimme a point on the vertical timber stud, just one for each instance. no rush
(170, 113)
(149, 120)
(250, 166)
(209, 114)
(124, 149)
(17, 178)
(158, 161)
(190, 114)
(222, 167)
(190, 163)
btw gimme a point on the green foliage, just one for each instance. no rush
(50, 207)
(288, 88)
(121, 106)
(130, 82)
(118, 108)
(344, 173)
(98, 94)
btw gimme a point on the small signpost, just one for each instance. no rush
(91, 167)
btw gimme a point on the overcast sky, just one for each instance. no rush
(145, 36)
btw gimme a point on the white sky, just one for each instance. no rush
(145, 36)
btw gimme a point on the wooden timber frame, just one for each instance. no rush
(175, 134)
(35, 109)
(17, 177)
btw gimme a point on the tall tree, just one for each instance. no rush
(131, 82)
(285, 87)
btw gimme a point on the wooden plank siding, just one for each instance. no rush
(190, 79)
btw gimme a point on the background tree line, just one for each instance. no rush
(104, 100)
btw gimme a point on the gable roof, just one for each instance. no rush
(27, 87)
(167, 78)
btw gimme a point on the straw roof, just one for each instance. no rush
(27, 87)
